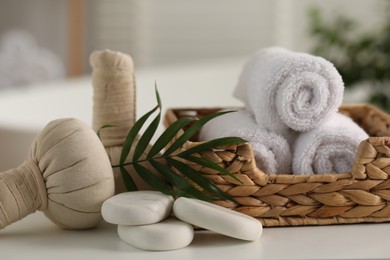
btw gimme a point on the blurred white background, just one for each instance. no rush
(159, 32)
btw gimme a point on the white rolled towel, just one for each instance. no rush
(289, 90)
(329, 148)
(271, 151)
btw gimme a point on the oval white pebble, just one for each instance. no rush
(137, 208)
(168, 234)
(218, 219)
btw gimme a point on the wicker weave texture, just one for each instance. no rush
(293, 200)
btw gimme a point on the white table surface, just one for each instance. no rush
(35, 237)
(24, 112)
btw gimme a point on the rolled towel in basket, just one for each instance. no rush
(286, 89)
(329, 148)
(271, 151)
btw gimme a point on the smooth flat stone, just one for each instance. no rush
(168, 234)
(218, 219)
(137, 208)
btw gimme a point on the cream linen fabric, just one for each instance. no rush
(114, 104)
(68, 176)
(113, 95)
(22, 192)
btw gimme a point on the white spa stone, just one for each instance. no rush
(218, 219)
(137, 208)
(168, 234)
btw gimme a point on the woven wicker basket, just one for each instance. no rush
(295, 200)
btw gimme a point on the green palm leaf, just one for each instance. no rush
(168, 135)
(209, 164)
(150, 131)
(192, 130)
(132, 135)
(170, 182)
(199, 179)
(128, 181)
(146, 137)
(154, 181)
(179, 182)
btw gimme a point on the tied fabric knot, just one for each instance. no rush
(23, 187)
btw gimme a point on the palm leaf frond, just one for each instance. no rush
(184, 181)
(192, 130)
(168, 135)
(133, 134)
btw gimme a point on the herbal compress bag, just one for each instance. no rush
(67, 175)
(361, 195)
(114, 105)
